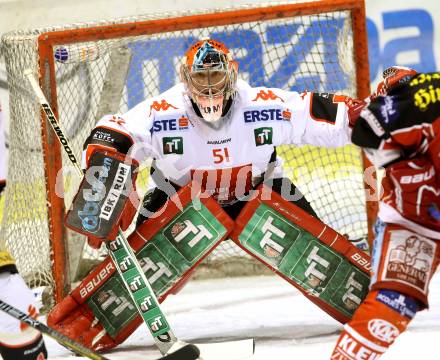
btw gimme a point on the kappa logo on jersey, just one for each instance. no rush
(303, 95)
(172, 145)
(267, 95)
(170, 124)
(263, 136)
(118, 120)
(162, 105)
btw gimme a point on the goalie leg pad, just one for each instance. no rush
(321, 263)
(100, 314)
(404, 261)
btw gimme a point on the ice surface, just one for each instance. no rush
(284, 324)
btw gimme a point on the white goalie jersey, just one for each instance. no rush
(167, 129)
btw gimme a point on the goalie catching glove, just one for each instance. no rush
(106, 199)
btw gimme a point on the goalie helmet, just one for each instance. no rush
(209, 75)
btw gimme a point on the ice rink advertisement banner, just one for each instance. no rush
(402, 37)
(400, 33)
(403, 34)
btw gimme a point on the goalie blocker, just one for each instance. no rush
(99, 312)
(322, 264)
(106, 199)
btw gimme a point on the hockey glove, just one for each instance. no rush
(107, 199)
(416, 194)
(392, 77)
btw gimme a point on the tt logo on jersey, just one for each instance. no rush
(267, 95)
(263, 136)
(162, 105)
(170, 124)
(172, 145)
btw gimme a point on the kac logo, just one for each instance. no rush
(267, 95)
(383, 330)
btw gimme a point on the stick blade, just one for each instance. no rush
(187, 352)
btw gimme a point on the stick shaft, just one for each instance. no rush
(62, 339)
(159, 328)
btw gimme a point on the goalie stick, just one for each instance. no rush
(187, 352)
(143, 295)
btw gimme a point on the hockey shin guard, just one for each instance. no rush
(381, 318)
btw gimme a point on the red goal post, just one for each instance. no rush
(106, 53)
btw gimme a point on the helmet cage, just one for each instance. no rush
(210, 79)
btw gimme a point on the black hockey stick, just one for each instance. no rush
(44, 329)
(187, 352)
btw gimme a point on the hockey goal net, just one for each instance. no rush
(87, 70)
